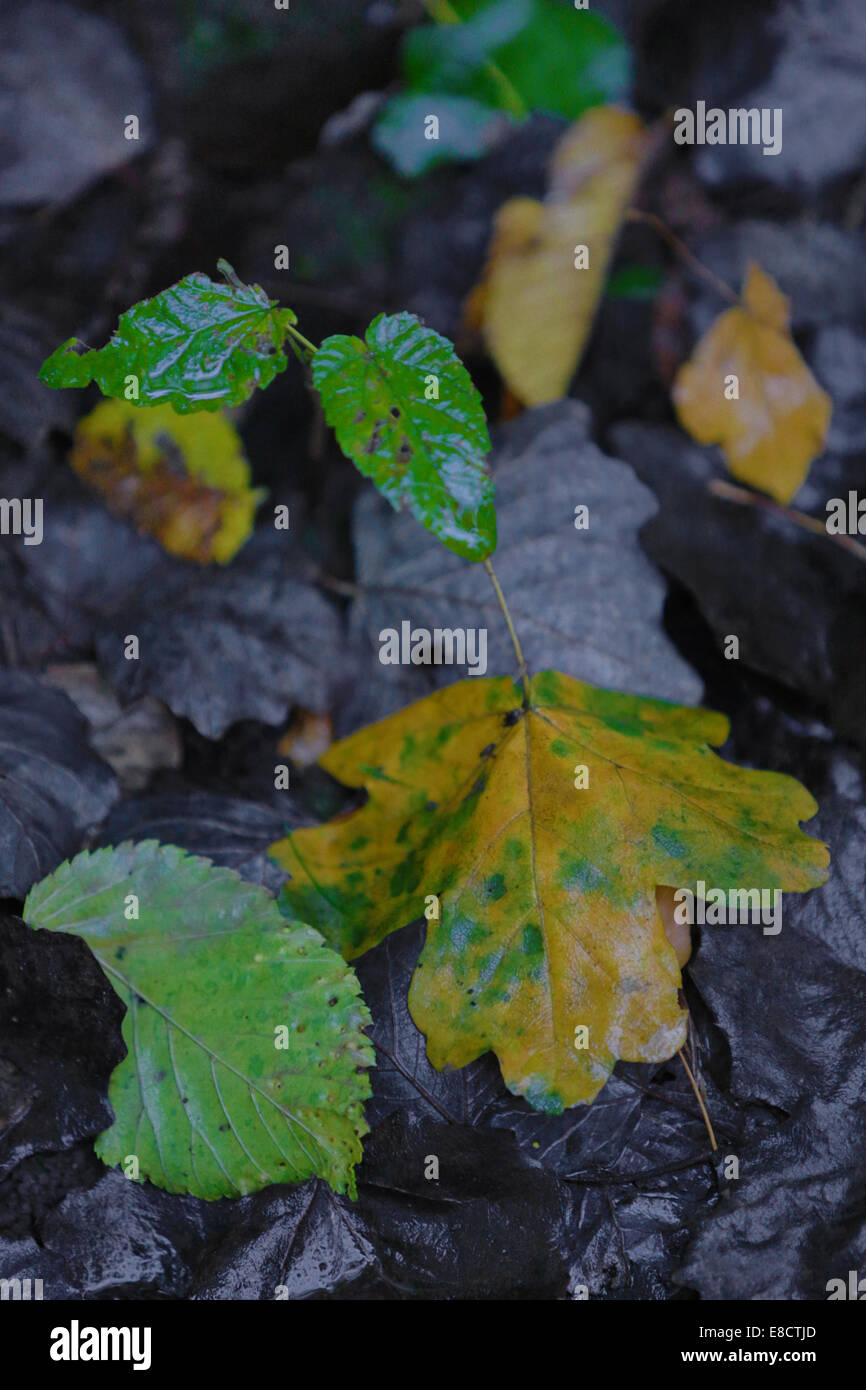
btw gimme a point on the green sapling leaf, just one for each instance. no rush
(405, 411)
(199, 345)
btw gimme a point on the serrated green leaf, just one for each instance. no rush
(467, 130)
(512, 53)
(198, 345)
(423, 452)
(210, 970)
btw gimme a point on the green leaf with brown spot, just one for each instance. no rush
(547, 893)
(406, 413)
(209, 972)
(198, 345)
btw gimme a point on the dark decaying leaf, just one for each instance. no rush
(305, 1243)
(53, 787)
(584, 602)
(118, 1237)
(637, 1161)
(62, 129)
(228, 830)
(473, 1230)
(216, 648)
(27, 408)
(794, 599)
(59, 1042)
(404, 1078)
(199, 345)
(246, 643)
(27, 634)
(792, 1007)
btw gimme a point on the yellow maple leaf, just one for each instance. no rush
(778, 424)
(537, 300)
(182, 479)
(547, 940)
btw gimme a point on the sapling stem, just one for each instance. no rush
(514, 638)
(305, 342)
(445, 13)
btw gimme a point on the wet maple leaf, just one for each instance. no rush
(546, 892)
(779, 423)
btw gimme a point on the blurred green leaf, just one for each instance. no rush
(198, 345)
(535, 53)
(467, 130)
(635, 282)
(406, 413)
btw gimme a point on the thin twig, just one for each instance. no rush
(700, 1099)
(691, 260)
(637, 1179)
(747, 498)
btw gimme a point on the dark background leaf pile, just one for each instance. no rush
(240, 152)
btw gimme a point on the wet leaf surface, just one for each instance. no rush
(794, 1219)
(405, 411)
(199, 345)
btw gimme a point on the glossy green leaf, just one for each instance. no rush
(520, 56)
(210, 972)
(467, 130)
(538, 832)
(198, 345)
(406, 413)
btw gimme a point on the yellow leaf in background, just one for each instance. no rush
(779, 423)
(535, 304)
(182, 479)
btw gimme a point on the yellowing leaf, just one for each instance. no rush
(779, 424)
(536, 306)
(182, 479)
(546, 893)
